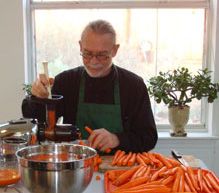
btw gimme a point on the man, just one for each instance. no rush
(111, 100)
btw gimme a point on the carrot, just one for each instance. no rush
(123, 178)
(187, 188)
(163, 160)
(141, 173)
(147, 172)
(99, 160)
(212, 181)
(190, 184)
(33, 139)
(215, 177)
(96, 168)
(200, 179)
(121, 154)
(146, 159)
(132, 183)
(136, 174)
(107, 150)
(145, 154)
(98, 178)
(182, 183)
(183, 167)
(90, 131)
(125, 161)
(111, 175)
(115, 156)
(120, 160)
(173, 162)
(176, 182)
(167, 180)
(205, 187)
(208, 183)
(171, 171)
(139, 159)
(132, 160)
(192, 177)
(147, 186)
(156, 174)
(154, 160)
(144, 186)
(147, 190)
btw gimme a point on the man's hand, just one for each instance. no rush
(39, 87)
(103, 139)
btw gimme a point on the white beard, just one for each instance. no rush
(102, 72)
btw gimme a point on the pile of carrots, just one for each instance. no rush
(155, 159)
(97, 158)
(160, 175)
(97, 162)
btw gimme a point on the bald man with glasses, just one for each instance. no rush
(111, 100)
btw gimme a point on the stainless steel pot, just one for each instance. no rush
(54, 175)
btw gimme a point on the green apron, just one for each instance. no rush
(97, 116)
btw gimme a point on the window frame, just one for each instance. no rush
(31, 6)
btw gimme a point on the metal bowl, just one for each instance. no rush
(55, 175)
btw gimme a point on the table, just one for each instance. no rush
(96, 186)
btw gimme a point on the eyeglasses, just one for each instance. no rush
(89, 56)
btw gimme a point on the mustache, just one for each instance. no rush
(95, 66)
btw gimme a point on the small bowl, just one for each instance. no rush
(56, 168)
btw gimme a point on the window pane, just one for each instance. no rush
(150, 40)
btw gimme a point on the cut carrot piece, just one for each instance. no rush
(98, 177)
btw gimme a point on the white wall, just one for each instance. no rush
(11, 59)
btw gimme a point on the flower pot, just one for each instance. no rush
(178, 118)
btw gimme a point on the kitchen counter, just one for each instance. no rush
(96, 186)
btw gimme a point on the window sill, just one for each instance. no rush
(191, 135)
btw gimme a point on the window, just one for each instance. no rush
(153, 35)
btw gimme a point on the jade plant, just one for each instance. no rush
(27, 88)
(179, 87)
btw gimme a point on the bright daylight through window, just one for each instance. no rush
(151, 40)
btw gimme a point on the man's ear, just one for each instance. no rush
(80, 44)
(115, 49)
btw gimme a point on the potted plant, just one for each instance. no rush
(177, 89)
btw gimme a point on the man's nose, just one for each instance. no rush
(94, 59)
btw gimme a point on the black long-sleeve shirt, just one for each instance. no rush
(139, 129)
